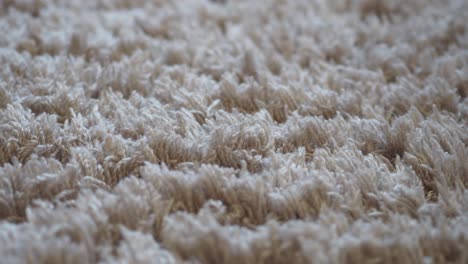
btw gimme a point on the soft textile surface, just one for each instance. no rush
(198, 131)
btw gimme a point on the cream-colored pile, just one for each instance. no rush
(199, 131)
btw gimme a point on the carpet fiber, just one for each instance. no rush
(200, 131)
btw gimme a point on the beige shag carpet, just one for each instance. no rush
(197, 131)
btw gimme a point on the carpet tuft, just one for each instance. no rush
(200, 131)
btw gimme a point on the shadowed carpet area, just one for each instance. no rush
(197, 131)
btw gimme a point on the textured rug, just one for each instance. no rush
(199, 131)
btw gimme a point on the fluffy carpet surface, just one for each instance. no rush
(196, 131)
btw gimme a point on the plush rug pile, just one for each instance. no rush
(199, 131)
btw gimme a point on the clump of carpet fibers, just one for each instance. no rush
(197, 131)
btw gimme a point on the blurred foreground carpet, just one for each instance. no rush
(233, 131)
